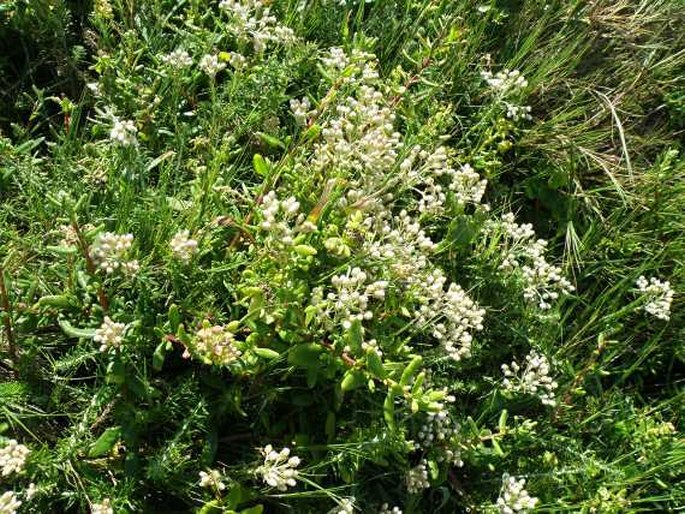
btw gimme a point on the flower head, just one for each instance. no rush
(102, 508)
(13, 457)
(9, 503)
(182, 246)
(110, 334)
(278, 469)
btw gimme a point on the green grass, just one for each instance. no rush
(598, 171)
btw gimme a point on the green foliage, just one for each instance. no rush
(323, 282)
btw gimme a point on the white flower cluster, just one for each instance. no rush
(110, 334)
(437, 432)
(464, 183)
(211, 479)
(451, 314)
(216, 345)
(505, 82)
(518, 112)
(279, 468)
(362, 140)
(105, 507)
(182, 246)
(280, 220)
(533, 379)
(337, 61)
(178, 59)
(302, 110)
(211, 65)
(346, 506)
(237, 60)
(514, 498)
(9, 503)
(13, 457)
(658, 295)
(109, 251)
(417, 478)
(250, 18)
(543, 282)
(123, 132)
(385, 509)
(350, 301)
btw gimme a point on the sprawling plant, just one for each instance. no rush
(259, 269)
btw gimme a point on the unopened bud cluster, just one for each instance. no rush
(543, 282)
(9, 503)
(110, 253)
(110, 335)
(123, 132)
(178, 59)
(534, 378)
(279, 468)
(658, 295)
(215, 345)
(514, 498)
(13, 457)
(104, 507)
(182, 246)
(212, 479)
(417, 478)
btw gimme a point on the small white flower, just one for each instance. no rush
(238, 61)
(534, 379)
(110, 253)
(210, 65)
(658, 295)
(179, 59)
(182, 246)
(346, 506)
(110, 334)
(123, 132)
(215, 345)
(9, 503)
(385, 509)
(417, 478)
(211, 479)
(514, 498)
(13, 457)
(278, 469)
(105, 507)
(31, 491)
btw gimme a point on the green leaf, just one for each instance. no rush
(105, 442)
(266, 353)
(62, 301)
(212, 507)
(257, 509)
(374, 363)
(355, 335)
(330, 425)
(271, 141)
(174, 317)
(389, 410)
(304, 250)
(410, 370)
(72, 331)
(503, 421)
(116, 373)
(261, 165)
(305, 355)
(352, 379)
(159, 355)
